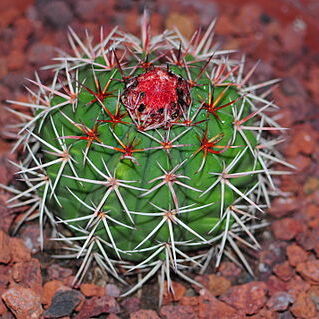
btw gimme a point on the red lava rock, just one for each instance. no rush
(284, 271)
(98, 305)
(5, 251)
(112, 316)
(311, 211)
(28, 274)
(23, 302)
(217, 285)
(30, 234)
(179, 291)
(297, 285)
(112, 290)
(281, 206)
(311, 185)
(184, 23)
(279, 301)
(144, 314)
(313, 294)
(301, 162)
(274, 285)
(303, 307)
(40, 54)
(177, 312)
(131, 304)
(19, 252)
(229, 270)
(63, 304)
(309, 239)
(49, 290)
(247, 298)
(16, 60)
(90, 290)
(57, 272)
(57, 13)
(286, 228)
(309, 270)
(296, 255)
(210, 307)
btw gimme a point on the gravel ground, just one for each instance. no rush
(283, 35)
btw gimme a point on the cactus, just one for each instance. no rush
(151, 151)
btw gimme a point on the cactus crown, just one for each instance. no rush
(149, 150)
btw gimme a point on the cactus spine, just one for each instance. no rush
(149, 150)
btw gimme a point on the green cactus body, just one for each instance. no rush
(151, 154)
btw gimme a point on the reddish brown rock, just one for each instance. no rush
(296, 254)
(217, 285)
(185, 23)
(177, 312)
(303, 307)
(229, 270)
(5, 251)
(284, 271)
(97, 305)
(179, 291)
(286, 228)
(247, 298)
(209, 307)
(23, 302)
(144, 314)
(281, 206)
(28, 274)
(297, 285)
(309, 270)
(19, 251)
(90, 290)
(274, 285)
(279, 301)
(49, 290)
(56, 272)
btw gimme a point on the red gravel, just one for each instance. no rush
(283, 34)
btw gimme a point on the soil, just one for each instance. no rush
(283, 35)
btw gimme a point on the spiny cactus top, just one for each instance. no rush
(149, 150)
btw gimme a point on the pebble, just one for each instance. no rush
(23, 302)
(296, 254)
(97, 305)
(90, 290)
(63, 303)
(49, 290)
(284, 271)
(177, 312)
(5, 252)
(309, 270)
(144, 314)
(303, 307)
(279, 301)
(216, 285)
(247, 298)
(286, 228)
(178, 292)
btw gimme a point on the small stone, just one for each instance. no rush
(28, 274)
(229, 270)
(303, 308)
(57, 13)
(184, 23)
(19, 251)
(16, 60)
(112, 290)
(284, 271)
(56, 272)
(247, 298)
(297, 285)
(177, 312)
(280, 301)
(49, 290)
(144, 314)
(96, 306)
(286, 228)
(282, 206)
(90, 290)
(5, 251)
(63, 303)
(296, 255)
(313, 294)
(309, 270)
(217, 285)
(274, 285)
(40, 54)
(209, 307)
(311, 185)
(131, 304)
(23, 302)
(179, 291)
